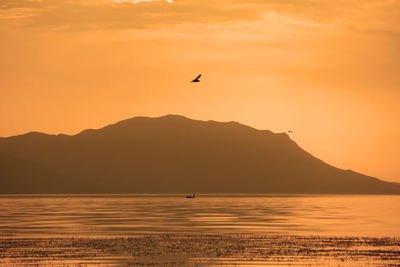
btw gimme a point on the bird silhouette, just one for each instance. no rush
(197, 80)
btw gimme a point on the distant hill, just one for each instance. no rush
(172, 154)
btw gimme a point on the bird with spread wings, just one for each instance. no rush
(197, 80)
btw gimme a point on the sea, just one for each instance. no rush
(133, 214)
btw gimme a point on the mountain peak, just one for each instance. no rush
(173, 116)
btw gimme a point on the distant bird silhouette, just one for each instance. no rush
(197, 80)
(290, 131)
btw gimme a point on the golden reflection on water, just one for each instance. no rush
(356, 215)
(201, 249)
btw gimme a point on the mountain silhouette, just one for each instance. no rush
(172, 154)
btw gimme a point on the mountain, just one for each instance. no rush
(172, 154)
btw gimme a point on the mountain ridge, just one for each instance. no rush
(172, 154)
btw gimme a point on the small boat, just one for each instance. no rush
(192, 196)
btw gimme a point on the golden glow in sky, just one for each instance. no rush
(328, 70)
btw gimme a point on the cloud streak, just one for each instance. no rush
(365, 16)
(17, 13)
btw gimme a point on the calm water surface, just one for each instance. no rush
(109, 215)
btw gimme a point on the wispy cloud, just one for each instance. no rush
(17, 13)
(375, 16)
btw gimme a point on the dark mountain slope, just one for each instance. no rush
(173, 154)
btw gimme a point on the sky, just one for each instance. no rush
(327, 70)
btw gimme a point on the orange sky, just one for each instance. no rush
(329, 70)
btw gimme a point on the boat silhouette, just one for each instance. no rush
(192, 196)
